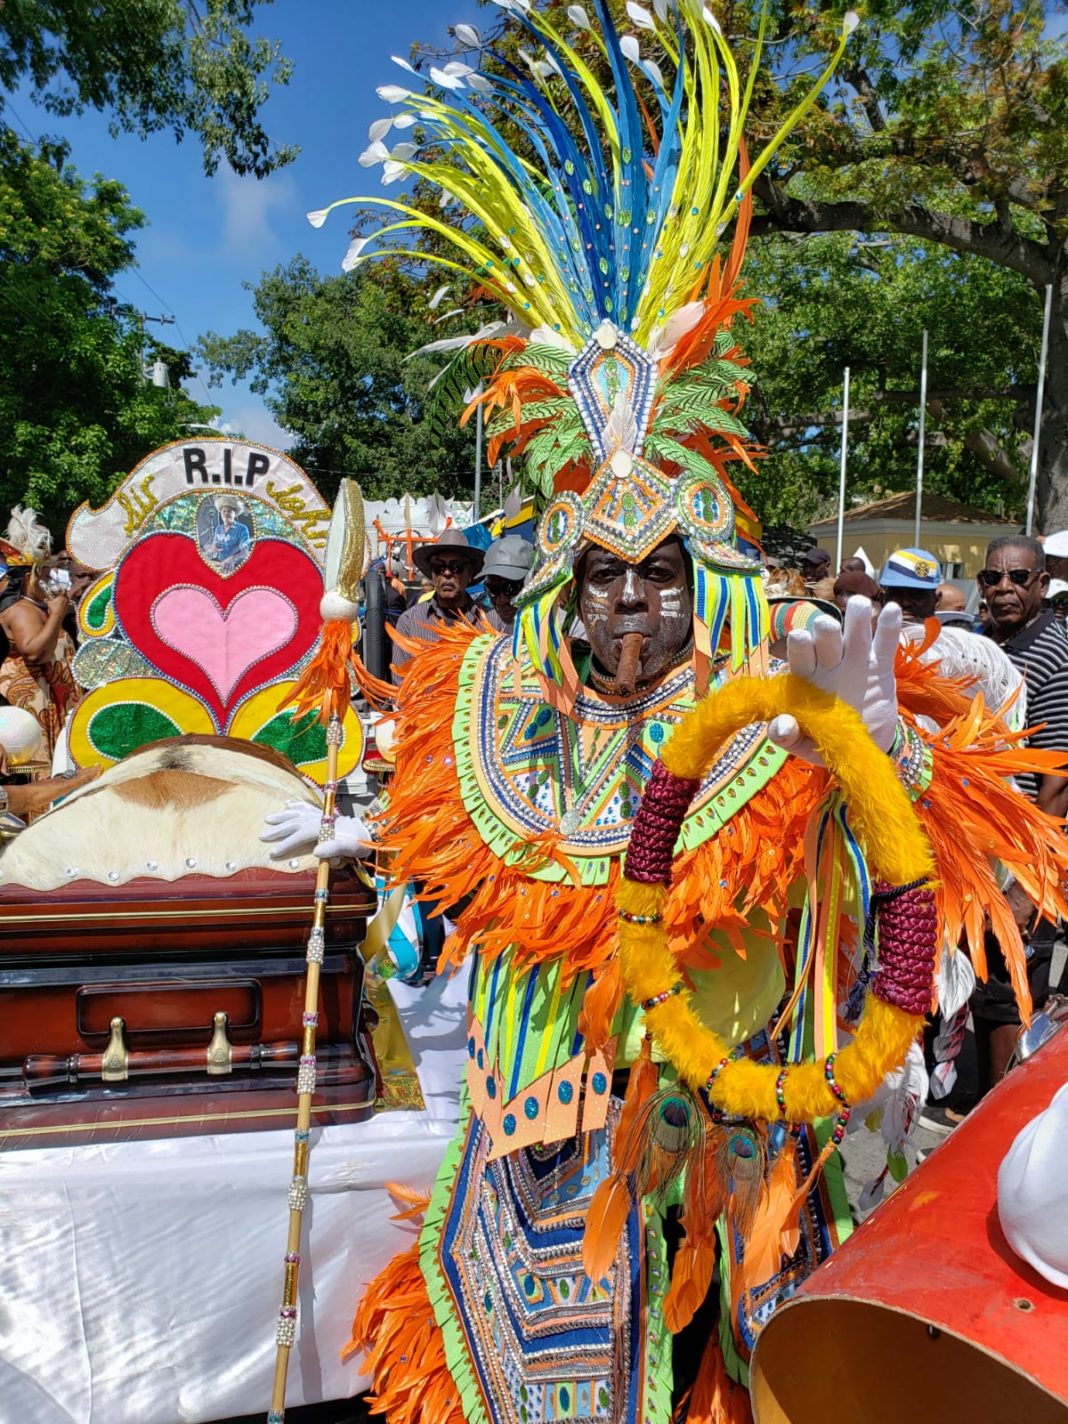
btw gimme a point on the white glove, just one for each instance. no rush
(351, 841)
(295, 831)
(852, 664)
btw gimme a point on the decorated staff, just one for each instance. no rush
(323, 687)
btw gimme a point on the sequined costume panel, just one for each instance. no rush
(541, 1341)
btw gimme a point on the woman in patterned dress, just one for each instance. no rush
(36, 673)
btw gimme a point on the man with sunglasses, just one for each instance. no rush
(451, 564)
(1014, 583)
(507, 565)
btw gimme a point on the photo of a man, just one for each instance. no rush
(226, 540)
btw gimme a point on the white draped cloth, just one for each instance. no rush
(140, 1282)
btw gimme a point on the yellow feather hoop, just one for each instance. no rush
(898, 849)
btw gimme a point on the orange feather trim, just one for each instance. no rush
(611, 1203)
(379, 694)
(775, 1231)
(715, 1398)
(513, 388)
(749, 866)
(600, 1004)
(606, 1218)
(641, 1085)
(702, 1205)
(430, 837)
(973, 816)
(405, 1351)
(324, 686)
(415, 1201)
(970, 813)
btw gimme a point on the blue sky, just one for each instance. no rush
(205, 237)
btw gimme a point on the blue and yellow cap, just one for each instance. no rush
(911, 568)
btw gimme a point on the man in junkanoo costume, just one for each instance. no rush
(662, 1053)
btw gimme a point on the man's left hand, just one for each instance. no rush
(852, 663)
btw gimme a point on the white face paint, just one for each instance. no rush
(595, 605)
(651, 598)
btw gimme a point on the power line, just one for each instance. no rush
(146, 283)
(21, 121)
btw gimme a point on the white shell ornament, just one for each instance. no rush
(20, 735)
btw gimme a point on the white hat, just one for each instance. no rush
(1033, 1192)
(1056, 544)
(1057, 587)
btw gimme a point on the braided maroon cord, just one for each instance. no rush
(665, 801)
(908, 942)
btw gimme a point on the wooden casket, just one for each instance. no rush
(159, 1007)
(175, 1006)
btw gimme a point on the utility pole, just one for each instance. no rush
(1032, 483)
(159, 368)
(922, 437)
(842, 469)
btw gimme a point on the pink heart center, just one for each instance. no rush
(226, 644)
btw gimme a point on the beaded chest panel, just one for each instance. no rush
(528, 770)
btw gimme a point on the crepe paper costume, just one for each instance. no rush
(46, 690)
(571, 1238)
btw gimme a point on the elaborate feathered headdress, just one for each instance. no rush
(618, 377)
(29, 536)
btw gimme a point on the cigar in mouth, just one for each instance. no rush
(627, 672)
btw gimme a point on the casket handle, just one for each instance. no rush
(115, 1064)
(220, 1053)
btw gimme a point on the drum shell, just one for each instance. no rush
(926, 1312)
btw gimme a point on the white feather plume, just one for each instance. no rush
(28, 534)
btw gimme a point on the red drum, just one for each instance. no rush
(925, 1313)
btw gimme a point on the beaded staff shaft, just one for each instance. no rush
(298, 1188)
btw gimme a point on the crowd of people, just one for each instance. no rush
(1019, 603)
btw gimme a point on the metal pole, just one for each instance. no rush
(1033, 482)
(476, 512)
(842, 471)
(375, 639)
(923, 428)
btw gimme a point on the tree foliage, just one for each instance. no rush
(835, 301)
(74, 405)
(334, 360)
(152, 65)
(947, 127)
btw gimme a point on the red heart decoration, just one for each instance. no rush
(161, 562)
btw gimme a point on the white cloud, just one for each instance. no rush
(247, 208)
(255, 423)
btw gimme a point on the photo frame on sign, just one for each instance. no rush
(226, 532)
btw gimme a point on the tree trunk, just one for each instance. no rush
(1051, 504)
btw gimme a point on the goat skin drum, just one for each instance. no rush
(925, 1313)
